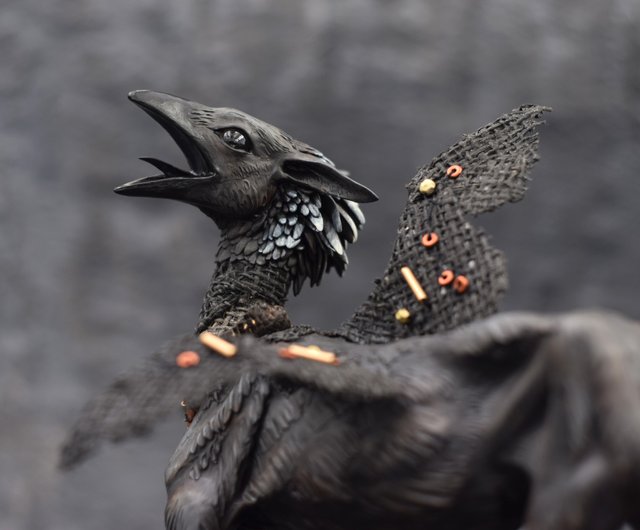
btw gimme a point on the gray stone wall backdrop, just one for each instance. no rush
(91, 282)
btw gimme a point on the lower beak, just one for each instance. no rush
(192, 190)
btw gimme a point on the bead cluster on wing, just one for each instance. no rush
(430, 239)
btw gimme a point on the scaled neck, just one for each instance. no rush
(240, 280)
(299, 235)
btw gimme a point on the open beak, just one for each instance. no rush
(173, 114)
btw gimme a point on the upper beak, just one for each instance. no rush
(174, 115)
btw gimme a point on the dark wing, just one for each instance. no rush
(583, 453)
(131, 405)
(538, 412)
(427, 420)
(566, 411)
(494, 164)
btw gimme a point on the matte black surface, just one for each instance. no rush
(90, 281)
(276, 231)
(245, 292)
(515, 420)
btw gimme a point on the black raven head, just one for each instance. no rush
(236, 161)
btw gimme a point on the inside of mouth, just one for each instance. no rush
(189, 147)
(167, 169)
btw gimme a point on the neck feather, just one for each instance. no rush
(300, 235)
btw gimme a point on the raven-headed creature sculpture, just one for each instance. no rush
(426, 419)
(285, 212)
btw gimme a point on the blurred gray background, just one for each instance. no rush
(92, 282)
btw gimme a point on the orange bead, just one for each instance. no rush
(461, 284)
(454, 171)
(187, 359)
(430, 239)
(446, 277)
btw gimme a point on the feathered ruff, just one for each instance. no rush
(302, 230)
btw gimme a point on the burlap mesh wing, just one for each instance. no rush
(495, 162)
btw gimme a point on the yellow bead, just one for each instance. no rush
(403, 316)
(428, 186)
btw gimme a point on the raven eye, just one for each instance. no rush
(235, 138)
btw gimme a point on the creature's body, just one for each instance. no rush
(508, 421)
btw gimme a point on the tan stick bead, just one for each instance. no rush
(217, 344)
(296, 351)
(414, 284)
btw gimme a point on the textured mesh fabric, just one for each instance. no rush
(234, 290)
(495, 163)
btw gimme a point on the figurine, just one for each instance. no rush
(422, 410)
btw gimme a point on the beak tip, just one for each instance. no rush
(134, 95)
(373, 197)
(366, 195)
(121, 190)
